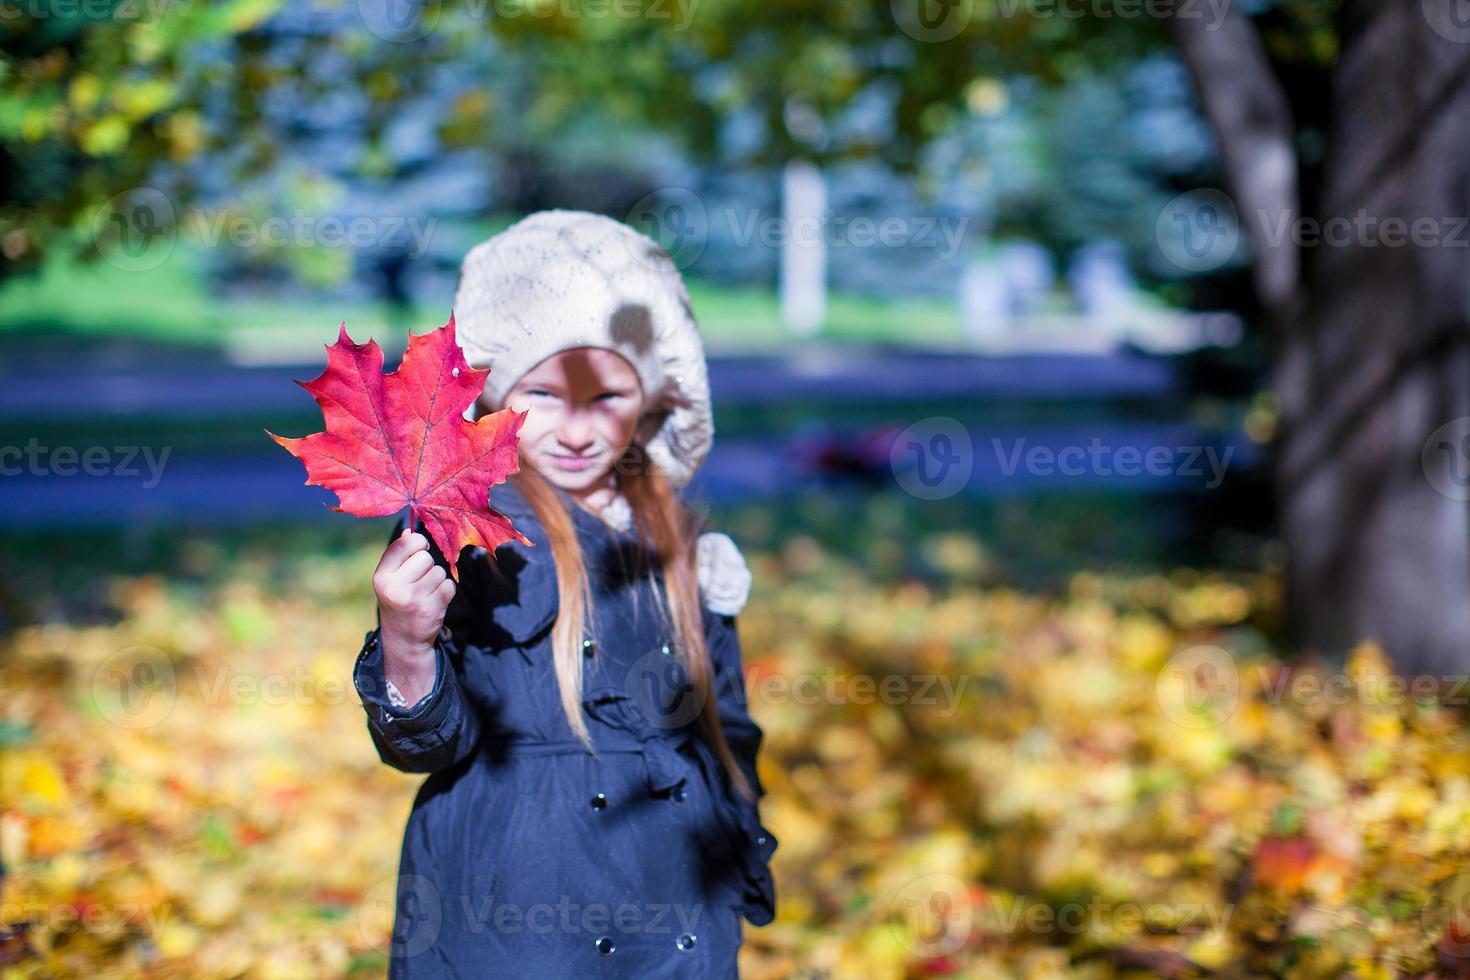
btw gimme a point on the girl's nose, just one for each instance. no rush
(575, 434)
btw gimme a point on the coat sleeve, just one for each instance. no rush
(741, 731)
(756, 843)
(442, 729)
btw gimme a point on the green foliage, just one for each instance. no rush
(96, 106)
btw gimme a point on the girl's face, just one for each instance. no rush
(583, 408)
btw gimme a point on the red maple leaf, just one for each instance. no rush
(401, 440)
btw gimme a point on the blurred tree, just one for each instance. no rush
(1322, 109)
(116, 115)
(1372, 350)
(1326, 111)
(94, 96)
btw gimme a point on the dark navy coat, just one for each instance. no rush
(525, 856)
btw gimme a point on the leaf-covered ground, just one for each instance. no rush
(1119, 779)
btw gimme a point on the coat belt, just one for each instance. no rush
(664, 766)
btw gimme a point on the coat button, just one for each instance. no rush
(599, 802)
(605, 945)
(679, 795)
(686, 942)
(589, 647)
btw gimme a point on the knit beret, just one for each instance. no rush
(561, 279)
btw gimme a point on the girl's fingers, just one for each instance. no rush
(427, 579)
(415, 566)
(406, 544)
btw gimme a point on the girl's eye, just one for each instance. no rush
(540, 392)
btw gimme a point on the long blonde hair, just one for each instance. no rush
(667, 532)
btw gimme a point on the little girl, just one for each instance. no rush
(579, 704)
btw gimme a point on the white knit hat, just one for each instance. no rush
(560, 279)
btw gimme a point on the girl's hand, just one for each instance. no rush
(413, 595)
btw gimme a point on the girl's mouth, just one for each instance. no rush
(572, 464)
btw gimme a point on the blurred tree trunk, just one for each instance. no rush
(1371, 340)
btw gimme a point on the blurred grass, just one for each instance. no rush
(172, 303)
(1037, 541)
